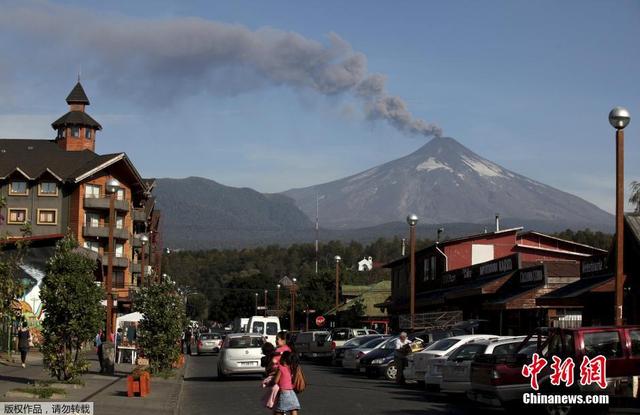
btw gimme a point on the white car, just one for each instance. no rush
(456, 371)
(240, 355)
(427, 366)
(351, 359)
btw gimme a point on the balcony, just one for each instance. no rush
(136, 267)
(103, 232)
(103, 203)
(139, 215)
(121, 262)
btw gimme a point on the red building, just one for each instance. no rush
(471, 273)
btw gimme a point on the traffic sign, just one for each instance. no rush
(320, 321)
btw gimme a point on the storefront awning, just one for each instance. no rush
(516, 299)
(479, 287)
(571, 294)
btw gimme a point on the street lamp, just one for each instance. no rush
(278, 299)
(256, 304)
(143, 241)
(619, 118)
(412, 220)
(293, 305)
(111, 188)
(337, 259)
(265, 302)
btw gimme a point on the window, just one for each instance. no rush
(92, 245)
(272, 329)
(119, 222)
(245, 342)
(17, 216)
(443, 344)
(92, 220)
(634, 335)
(47, 217)
(505, 349)
(119, 250)
(91, 191)
(118, 279)
(75, 132)
(468, 352)
(429, 269)
(48, 189)
(606, 343)
(258, 327)
(87, 133)
(120, 194)
(60, 132)
(18, 188)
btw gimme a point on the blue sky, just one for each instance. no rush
(525, 84)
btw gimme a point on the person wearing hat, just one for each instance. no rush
(401, 345)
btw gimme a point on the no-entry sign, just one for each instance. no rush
(320, 321)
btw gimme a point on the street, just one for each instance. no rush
(329, 391)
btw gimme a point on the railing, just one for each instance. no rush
(103, 232)
(569, 320)
(103, 203)
(432, 320)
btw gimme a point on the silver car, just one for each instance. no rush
(209, 343)
(240, 355)
(351, 360)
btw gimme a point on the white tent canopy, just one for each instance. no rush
(131, 317)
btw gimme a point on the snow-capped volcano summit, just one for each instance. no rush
(443, 182)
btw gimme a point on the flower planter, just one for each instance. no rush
(140, 385)
(179, 363)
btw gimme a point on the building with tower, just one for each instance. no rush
(59, 186)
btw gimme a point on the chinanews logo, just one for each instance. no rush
(592, 371)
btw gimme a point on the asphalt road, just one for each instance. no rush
(329, 391)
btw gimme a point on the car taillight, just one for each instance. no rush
(360, 354)
(333, 345)
(495, 378)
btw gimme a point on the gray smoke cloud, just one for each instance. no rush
(164, 59)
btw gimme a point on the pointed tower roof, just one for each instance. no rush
(77, 95)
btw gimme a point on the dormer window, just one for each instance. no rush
(75, 131)
(48, 189)
(87, 133)
(18, 188)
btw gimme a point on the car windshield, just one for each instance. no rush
(373, 343)
(390, 344)
(340, 334)
(358, 341)
(209, 336)
(443, 344)
(244, 342)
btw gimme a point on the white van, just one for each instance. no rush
(267, 326)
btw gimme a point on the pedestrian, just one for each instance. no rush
(24, 337)
(402, 350)
(287, 398)
(281, 346)
(187, 340)
(98, 341)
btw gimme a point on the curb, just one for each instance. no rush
(183, 370)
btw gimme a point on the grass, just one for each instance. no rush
(42, 392)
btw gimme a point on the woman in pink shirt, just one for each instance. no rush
(281, 347)
(287, 399)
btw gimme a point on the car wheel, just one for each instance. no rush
(391, 372)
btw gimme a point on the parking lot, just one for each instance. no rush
(330, 390)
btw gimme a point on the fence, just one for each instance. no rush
(433, 320)
(567, 319)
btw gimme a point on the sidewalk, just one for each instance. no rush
(109, 393)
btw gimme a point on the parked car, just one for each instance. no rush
(380, 361)
(456, 371)
(498, 380)
(209, 343)
(313, 345)
(427, 365)
(338, 352)
(351, 359)
(240, 354)
(341, 335)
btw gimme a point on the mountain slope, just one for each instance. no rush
(199, 213)
(444, 182)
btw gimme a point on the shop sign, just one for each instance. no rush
(594, 265)
(532, 275)
(497, 266)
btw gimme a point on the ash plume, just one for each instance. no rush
(158, 61)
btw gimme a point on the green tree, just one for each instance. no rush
(352, 317)
(634, 199)
(197, 307)
(163, 321)
(73, 313)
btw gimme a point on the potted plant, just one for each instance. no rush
(139, 381)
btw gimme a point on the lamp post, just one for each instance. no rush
(143, 241)
(278, 299)
(111, 189)
(337, 259)
(293, 305)
(256, 304)
(265, 302)
(412, 220)
(619, 118)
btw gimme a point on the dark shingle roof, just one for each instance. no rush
(76, 118)
(34, 157)
(77, 95)
(633, 222)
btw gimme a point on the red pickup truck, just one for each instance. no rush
(498, 380)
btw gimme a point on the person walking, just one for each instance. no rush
(100, 338)
(402, 344)
(187, 340)
(287, 398)
(24, 337)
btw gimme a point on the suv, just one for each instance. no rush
(340, 336)
(498, 380)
